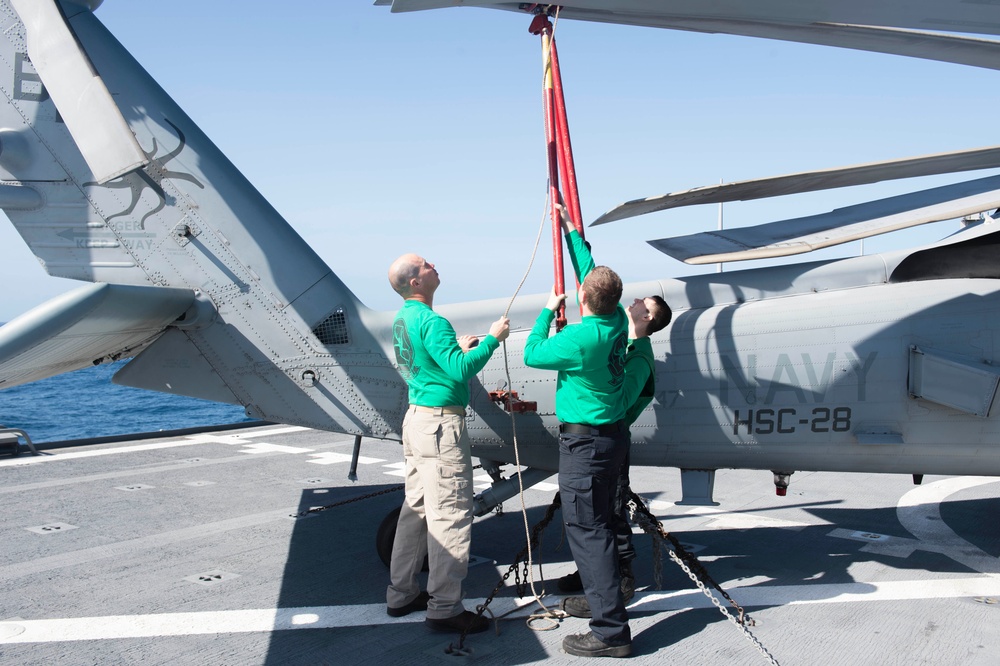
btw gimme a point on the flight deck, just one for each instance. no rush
(193, 549)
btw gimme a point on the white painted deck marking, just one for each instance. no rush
(328, 617)
(779, 595)
(332, 457)
(919, 511)
(264, 447)
(74, 455)
(274, 431)
(396, 469)
(686, 509)
(739, 521)
(249, 434)
(208, 438)
(485, 481)
(191, 440)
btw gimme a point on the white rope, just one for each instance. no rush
(548, 613)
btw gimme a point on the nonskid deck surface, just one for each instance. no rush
(184, 550)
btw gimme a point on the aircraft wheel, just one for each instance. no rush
(386, 535)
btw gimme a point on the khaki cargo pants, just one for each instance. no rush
(436, 517)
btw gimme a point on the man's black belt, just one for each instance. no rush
(603, 430)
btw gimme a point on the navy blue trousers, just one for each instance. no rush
(588, 478)
(622, 527)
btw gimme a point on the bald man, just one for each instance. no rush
(436, 518)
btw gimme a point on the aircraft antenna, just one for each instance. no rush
(720, 226)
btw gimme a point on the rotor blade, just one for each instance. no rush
(956, 49)
(894, 28)
(805, 234)
(811, 181)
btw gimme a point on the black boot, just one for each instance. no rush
(589, 645)
(570, 582)
(628, 582)
(576, 606)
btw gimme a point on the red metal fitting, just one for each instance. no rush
(540, 24)
(508, 400)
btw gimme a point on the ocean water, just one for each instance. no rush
(85, 404)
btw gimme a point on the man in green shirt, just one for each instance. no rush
(645, 317)
(436, 517)
(590, 360)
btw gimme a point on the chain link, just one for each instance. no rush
(655, 528)
(647, 521)
(515, 568)
(319, 509)
(640, 513)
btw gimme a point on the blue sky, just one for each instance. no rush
(376, 134)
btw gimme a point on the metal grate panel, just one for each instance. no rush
(333, 329)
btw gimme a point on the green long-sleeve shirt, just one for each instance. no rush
(590, 356)
(579, 256)
(429, 358)
(640, 384)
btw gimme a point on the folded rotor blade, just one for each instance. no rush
(812, 181)
(84, 103)
(805, 234)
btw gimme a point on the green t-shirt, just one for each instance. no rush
(590, 356)
(429, 358)
(640, 380)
